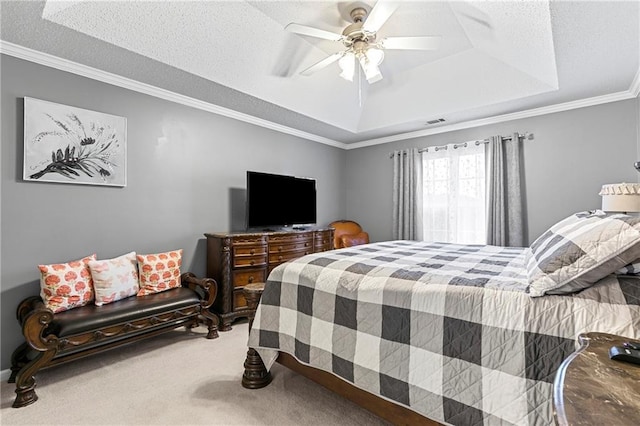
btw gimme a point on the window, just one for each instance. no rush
(454, 194)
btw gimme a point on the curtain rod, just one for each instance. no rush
(525, 135)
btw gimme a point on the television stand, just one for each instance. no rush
(239, 258)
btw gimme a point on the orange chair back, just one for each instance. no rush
(351, 231)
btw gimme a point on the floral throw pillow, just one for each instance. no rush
(65, 286)
(115, 279)
(159, 272)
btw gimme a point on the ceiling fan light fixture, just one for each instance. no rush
(348, 66)
(371, 70)
(375, 55)
(362, 50)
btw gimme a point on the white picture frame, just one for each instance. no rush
(66, 144)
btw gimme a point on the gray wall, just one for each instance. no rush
(573, 154)
(184, 168)
(186, 171)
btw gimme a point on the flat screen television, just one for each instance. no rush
(277, 201)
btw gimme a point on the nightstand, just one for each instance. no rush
(592, 389)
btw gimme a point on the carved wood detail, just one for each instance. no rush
(36, 321)
(232, 256)
(126, 328)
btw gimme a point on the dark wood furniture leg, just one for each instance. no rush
(18, 360)
(193, 282)
(255, 374)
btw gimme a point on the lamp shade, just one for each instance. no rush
(621, 197)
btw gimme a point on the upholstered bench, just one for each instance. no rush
(52, 339)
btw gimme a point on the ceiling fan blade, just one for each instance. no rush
(380, 13)
(313, 32)
(323, 63)
(412, 43)
(472, 13)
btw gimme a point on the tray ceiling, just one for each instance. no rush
(494, 58)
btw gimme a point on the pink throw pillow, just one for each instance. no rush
(65, 286)
(159, 272)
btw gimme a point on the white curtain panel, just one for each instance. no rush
(454, 208)
(407, 195)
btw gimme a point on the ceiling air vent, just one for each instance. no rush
(436, 121)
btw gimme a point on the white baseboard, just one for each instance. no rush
(4, 375)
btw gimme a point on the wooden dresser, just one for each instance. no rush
(237, 259)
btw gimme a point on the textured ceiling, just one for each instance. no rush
(495, 57)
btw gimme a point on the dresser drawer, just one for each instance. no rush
(290, 246)
(322, 247)
(249, 239)
(277, 258)
(238, 299)
(248, 276)
(249, 261)
(249, 250)
(322, 239)
(290, 238)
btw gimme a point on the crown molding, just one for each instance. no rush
(566, 106)
(61, 64)
(634, 89)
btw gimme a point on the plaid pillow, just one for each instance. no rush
(580, 250)
(630, 269)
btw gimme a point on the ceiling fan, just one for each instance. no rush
(359, 39)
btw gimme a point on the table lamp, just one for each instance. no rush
(621, 197)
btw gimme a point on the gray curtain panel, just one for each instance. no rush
(505, 217)
(407, 195)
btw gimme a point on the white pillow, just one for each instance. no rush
(115, 279)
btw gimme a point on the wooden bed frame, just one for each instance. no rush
(256, 376)
(396, 414)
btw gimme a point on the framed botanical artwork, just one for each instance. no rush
(66, 144)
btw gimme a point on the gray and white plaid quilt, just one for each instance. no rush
(447, 330)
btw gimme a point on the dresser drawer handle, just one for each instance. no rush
(279, 248)
(279, 257)
(306, 244)
(252, 251)
(250, 279)
(252, 262)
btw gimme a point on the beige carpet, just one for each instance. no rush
(177, 378)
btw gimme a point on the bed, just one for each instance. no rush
(445, 332)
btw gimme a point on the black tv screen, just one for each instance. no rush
(279, 201)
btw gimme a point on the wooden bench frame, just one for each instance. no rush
(52, 350)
